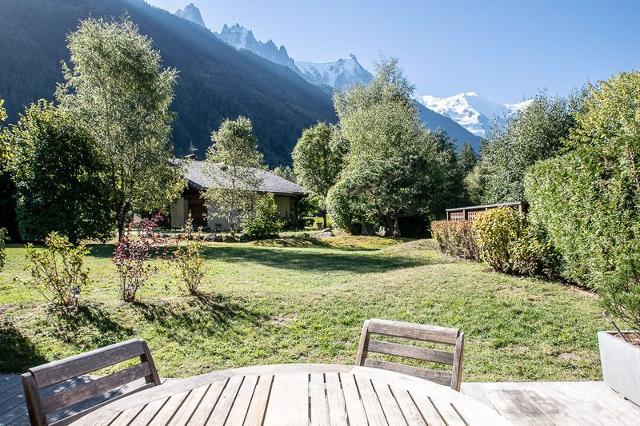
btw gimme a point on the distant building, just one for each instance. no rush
(287, 195)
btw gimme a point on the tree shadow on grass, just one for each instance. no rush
(314, 261)
(101, 250)
(89, 327)
(310, 242)
(204, 314)
(18, 352)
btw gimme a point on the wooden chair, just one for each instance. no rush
(44, 376)
(425, 333)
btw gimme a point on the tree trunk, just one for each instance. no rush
(121, 219)
(324, 219)
(396, 227)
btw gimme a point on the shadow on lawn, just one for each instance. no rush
(310, 242)
(18, 352)
(202, 314)
(322, 261)
(314, 261)
(90, 327)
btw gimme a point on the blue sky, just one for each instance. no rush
(505, 50)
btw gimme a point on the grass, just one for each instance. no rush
(301, 300)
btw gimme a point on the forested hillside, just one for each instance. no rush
(215, 80)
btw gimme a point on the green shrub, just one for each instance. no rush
(188, 258)
(587, 200)
(455, 238)
(620, 287)
(563, 203)
(57, 271)
(496, 232)
(3, 235)
(264, 220)
(132, 253)
(532, 254)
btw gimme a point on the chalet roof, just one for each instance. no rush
(202, 175)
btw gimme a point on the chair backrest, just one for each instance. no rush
(426, 333)
(44, 376)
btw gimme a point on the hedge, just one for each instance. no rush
(503, 239)
(455, 238)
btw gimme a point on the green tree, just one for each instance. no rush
(59, 177)
(317, 160)
(4, 144)
(264, 220)
(475, 184)
(468, 159)
(285, 172)
(117, 90)
(534, 134)
(395, 167)
(587, 199)
(232, 161)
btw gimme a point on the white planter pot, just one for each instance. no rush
(620, 365)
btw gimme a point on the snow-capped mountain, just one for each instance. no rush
(242, 38)
(474, 112)
(191, 13)
(339, 74)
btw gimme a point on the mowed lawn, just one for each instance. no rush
(296, 300)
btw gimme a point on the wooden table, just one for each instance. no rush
(296, 394)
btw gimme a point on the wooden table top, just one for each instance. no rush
(296, 394)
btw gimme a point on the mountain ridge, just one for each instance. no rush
(476, 113)
(215, 81)
(336, 75)
(340, 74)
(191, 13)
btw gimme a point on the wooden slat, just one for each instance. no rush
(389, 404)
(98, 418)
(258, 407)
(84, 408)
(430, 333)
(127, 416)
(150, 410)
(15, 415)
(10, 386)
(208, 403)
(557, 403)
(189, 406)
(223, 406)
(427, 409)
(318, 401)
(372, 407)
(449, 414)
(335, 400)
(440, 377)
(241, 404)
(355, 410)
(81, 392)
(408, 407)
(407, 351)
(289, 401)
(169, 408)
(57, 371)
